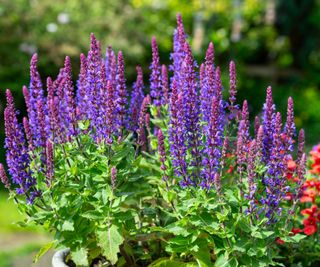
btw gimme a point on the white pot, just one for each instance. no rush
(58, 259)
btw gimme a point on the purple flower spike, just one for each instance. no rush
(113, 177)
(256, 125)
(81, 92)
(143, 110)
(121, 93)
(259, 143)
(302, 168)
(213, 146)
(26, 96)
(28, 133)
(251, 175)
(49, 162)
(156, 92)
(301, 142)
(36, 94)
(110, 113)
(268, 124)
(16, 150)
(178, 52)
(162, 153)
(217, 183)
(233, 84)
(4, 177)
(290, 127)
(165, 84)
(137, 97)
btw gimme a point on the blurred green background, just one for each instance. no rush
(274, 42)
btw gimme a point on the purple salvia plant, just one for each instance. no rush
(165, 84)
(41, 124)
(121, 93)
(53, 124)
(16, 151)
(110, 113)
(137, 97)
(141, 122)
(156, 92)
(259, 143)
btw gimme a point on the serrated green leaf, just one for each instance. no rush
(80, 257)
(225, 261)
(110, 240)
(67, 226)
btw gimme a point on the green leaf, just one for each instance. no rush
(203, 257)
(225, 261)
(109, 241)
(166, 262)
(67, 226)
(43, 251)
(80, 257)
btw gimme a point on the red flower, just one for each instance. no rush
(310, 229)
(279, 241)
(296, 231)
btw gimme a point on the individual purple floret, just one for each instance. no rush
(137, 97)
(156, 92)
(16, 150)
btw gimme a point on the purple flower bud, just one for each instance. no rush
(259, 143)
(81, 92)
(113, 177)
(155, 77)
(302, 168)
(26, 95)
(142, 115)
(4, 177)
(110, 112)
(256, 125)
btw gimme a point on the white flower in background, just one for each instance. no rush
(63, 18)
(52, 27)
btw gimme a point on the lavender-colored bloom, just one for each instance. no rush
(155, 77)
(190, 106)
(259, 143)
(143, 110)
(4, 177)
(121, 94)
(177, 56)
(110, 113)
(268, 124)
(41, 124)
(28, 133)
(256, 125)
(81, 92)
(302, 169)
(251, 175)
(49, 162)
(213, 145)
(274, 179)
(136, 99)
(208, 84)
(36, 95)
(233, 84)
(111, 66)
(290, 127)
(26, 96)
(113, 177)
(16, 150)
(301, 142)
(176, 132)
(165, 85)
(53, 122)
